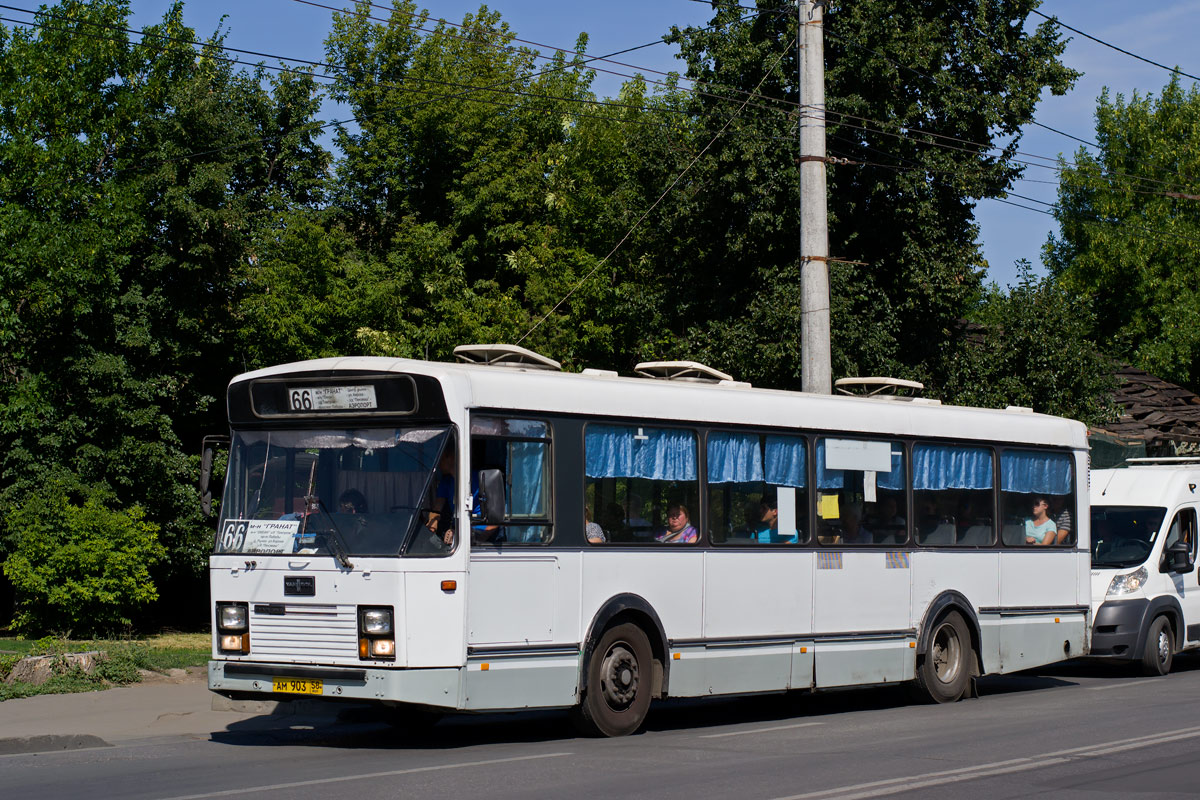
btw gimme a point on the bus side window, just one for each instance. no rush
(757, 492)
(520, 449)
(1036, 490)
(954, 493)
(643, 483)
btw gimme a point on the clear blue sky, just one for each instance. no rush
(1165, 32)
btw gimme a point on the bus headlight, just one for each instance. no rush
(1128, 583)
(376, 633)
(231, 616)
(233, 628)
(376, 621)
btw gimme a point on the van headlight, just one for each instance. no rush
(1128, 583)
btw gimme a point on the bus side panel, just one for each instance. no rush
(523, 638)
(433, 619)
(861, 617)
(671, 581)
(780, 605)
(1040, 622)
(974, 575)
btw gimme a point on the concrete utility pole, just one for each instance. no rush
(815, 357)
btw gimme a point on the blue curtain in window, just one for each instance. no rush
(835, 479)
(657, 454)
(734, 458)
(785, 461)
(527, 462)
(1028, 472)
(938, 467)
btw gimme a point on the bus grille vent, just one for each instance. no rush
(303, 632)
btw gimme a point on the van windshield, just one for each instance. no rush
(330, 492)
(1122, 536)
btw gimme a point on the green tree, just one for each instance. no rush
(1032, 346)
(132, 179)
(79, 568)
(900, 80)
(1129, 227)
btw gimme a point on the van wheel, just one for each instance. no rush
(619, 676)
(1160, 648)
(945, 671)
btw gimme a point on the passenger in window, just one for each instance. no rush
(769, 533)
(613, 522)
(852, 530)
(679, 526)
(1062, 521)
(441, 512)
(352, 502)
(1040, 529)
(592, 530)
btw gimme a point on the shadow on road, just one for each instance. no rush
(369, 727)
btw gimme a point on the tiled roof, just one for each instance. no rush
(1153, 409)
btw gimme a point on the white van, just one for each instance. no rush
(1145, 587)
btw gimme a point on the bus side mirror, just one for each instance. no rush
(208, 449)
(491, 496)
(1179, 558)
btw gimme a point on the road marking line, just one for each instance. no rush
(897, 785)
(1121, 685)
(760, 730)
(362, 776)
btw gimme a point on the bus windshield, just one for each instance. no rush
(349, 492)
(1122, 536)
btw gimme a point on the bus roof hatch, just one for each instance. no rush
(504, 355)
(681, 371)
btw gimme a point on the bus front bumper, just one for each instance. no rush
(243, 680)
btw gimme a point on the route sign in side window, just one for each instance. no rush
(757, 488)
(861, 492)
(642, 484)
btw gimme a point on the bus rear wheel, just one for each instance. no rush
(619, 677)
(945, 671)
(1160, 648)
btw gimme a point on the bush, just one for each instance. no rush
(79, 568)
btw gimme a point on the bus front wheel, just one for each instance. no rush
(619, 679)
(945, 671)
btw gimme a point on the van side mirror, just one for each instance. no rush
(1178, 558)
(208, 448)
(491, 496)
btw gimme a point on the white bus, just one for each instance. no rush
(613, 540)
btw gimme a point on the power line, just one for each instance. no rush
(653, 205)
(1062, 24)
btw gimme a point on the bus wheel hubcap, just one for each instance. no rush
(945, 654)
(1164, 648)
(619, 677)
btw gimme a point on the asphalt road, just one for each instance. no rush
(1079, 730)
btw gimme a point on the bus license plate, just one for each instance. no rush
(297, 685)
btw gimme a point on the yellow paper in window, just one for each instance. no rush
(827, 506)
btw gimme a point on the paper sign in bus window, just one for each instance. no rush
(827, 506)
(786, 497)
(270, 536)
(858, 455)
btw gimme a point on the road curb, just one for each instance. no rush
(50, 743)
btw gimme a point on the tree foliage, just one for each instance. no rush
(80, 568)
(1128, 239)
(168, 220)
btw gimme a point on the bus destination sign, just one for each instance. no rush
(302, 399)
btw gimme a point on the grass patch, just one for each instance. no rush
(124, 658)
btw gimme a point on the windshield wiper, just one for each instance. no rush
(311, 501)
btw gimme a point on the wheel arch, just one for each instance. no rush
(619, 609)
(1163, 605)
(951, 600)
